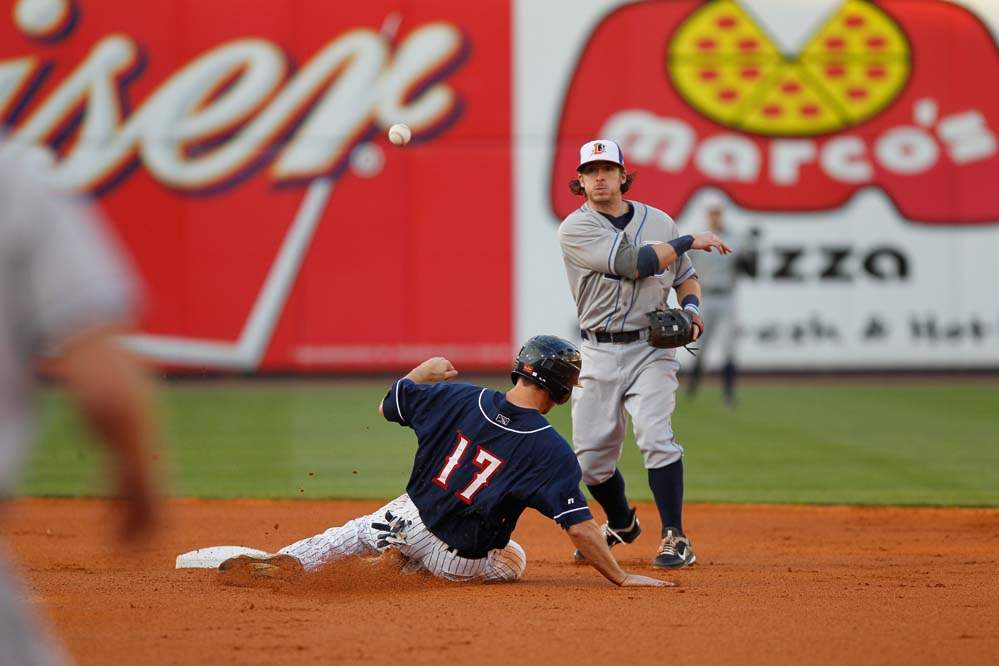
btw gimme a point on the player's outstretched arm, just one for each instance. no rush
(590, 541)
(707, 241)
(667, 253)
(436, 369)
(113, 393)
(433, 370)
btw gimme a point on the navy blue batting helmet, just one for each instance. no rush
(550, 362)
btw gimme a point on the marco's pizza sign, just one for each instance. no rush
(897, 95)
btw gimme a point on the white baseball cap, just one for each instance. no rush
(600, 150)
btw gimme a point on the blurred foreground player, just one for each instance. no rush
(63, 293)
(482, 457)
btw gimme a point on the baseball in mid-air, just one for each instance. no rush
(400, 134)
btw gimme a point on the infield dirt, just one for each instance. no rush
(773, 585)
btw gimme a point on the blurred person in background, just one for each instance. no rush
(65, 295)
(718, 275)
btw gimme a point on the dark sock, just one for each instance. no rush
(667, 487)
(728, 381)
(610, 495)
(695, 377)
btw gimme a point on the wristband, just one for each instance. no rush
(692, 303)
(682, 244)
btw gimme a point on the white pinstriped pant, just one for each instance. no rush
(423, 550)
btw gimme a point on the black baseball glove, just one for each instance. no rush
(673, 327)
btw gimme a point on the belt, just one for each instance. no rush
(610, 336)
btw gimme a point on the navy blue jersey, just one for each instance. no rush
(480, 462)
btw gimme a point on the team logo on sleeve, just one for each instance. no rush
(794, 116)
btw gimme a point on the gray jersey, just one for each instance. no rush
(595, 251)
(717, 272)
(59, 276)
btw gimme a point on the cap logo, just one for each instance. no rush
(598, 149)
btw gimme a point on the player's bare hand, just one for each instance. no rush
(436, 369)
(635, 580)
(708, 240)
(698, 324)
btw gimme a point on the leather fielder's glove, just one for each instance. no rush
(673, 328)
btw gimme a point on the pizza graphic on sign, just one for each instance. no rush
(886, 94)
(726, 66)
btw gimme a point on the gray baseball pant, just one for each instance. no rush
(618, 380)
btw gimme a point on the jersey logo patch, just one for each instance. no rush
(503, 419)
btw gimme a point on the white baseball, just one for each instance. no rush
(400, 134)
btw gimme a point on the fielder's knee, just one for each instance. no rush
(597, 466)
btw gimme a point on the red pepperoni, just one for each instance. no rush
(876, 42)
(706, 44)
(748, 44)
(726, 22)
(728, 94)
(749, 73)
(835, 71)
(791, 87)
(772, 110)
(835, 43)
(854, 21)
(708, 74)
(810, 110)
(876, 72)
(857, 93)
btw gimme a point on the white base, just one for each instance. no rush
(212, 556)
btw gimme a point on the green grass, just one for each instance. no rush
(934, 444)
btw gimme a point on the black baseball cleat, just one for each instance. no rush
(675, 551)
(275, 567)
(616, 536)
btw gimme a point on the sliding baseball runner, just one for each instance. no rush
(482, 457)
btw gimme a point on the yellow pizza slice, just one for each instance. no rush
(860, 88)
(860, 58)
(859, 30)
(790, 104)
(718, 58)
(720, 90)
(721, 30)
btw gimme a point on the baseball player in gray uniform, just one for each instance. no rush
(63, 294)
(718, 276)
(622, 258)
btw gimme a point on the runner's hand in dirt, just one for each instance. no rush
(635, 580)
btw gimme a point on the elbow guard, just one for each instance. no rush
(626, 260)
(648, 262)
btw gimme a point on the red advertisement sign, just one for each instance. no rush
(239, 149)
(894, 95)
